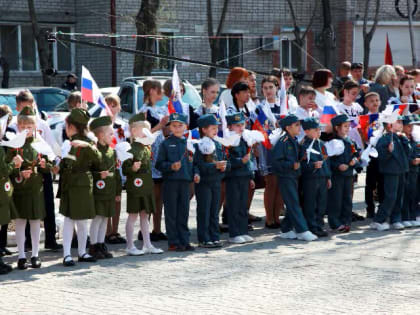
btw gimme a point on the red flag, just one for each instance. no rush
(388, 53)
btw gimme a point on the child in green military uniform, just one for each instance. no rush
(7, 206)
(106, 186)
(393, 164)
(286, 165)
(315, 177)
(139, 186)
(28, 194)
(210, 162)
(175, 163)
(411, 189)
(237, 183)
(340, 202)
(77, 203)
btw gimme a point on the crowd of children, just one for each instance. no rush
(305, 156)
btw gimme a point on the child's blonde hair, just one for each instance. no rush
(113, 99)
(98, 130)
(24, 119)
(141, 124)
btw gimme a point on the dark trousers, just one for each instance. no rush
(374, 180)
(294, 218)
(393, 199)
(315, 194)
(340, 202)
(3, 236)
(208, 199)
(409, 208)
(237, 204)
(176, 200)
(49, 220)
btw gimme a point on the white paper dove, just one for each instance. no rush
(334, 147)
(206, 146)
(268, 113)
(3, 125)
(122, 149)
(389, 115)
(311, 150)
(230, 139)
(15, 140)
(369, 152)
(376, 135)
(416, 133)
(149, 138)
(191, 142)
(275, 136)
(252, 137)
(42, 147)
(65, 149)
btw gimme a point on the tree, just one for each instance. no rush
(145, 24)
(328, 35)
(368, 35)
(6, 71)
(214, 40)
(300, 38)
(42, 43)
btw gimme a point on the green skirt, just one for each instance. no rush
(29, 206)
(136, 204)
(105, 208)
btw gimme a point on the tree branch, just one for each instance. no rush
(222, 18)
(375, 19)
(209, 19)
(311, 21)
(365, 18)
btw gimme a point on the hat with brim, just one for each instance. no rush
(288, 120)
(79, 116)
(310, 123)
(236, 118)
(178, 117)
(340, 119)
(207, 120)
(137, 117)
(101, 121)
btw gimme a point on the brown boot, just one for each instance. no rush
(94, 251)
(105, 251)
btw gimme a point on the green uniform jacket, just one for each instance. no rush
(395, 162)
(77, 201)
(285, 153)
(237, 167)
(7, 206)
(308, 169)
(108, 188)
(28, 193)
(140, 183)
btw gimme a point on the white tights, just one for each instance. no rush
(98, 229)
(82, 234)
(144, 226)
(20, 236)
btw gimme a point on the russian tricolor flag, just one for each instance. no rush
(91, 93)
(328, 113)
(401, 108)
(259, 124)
(368, 125)
(174, 104)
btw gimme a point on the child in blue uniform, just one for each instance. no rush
(410, 196)
(237, 183)
(175, 163)
(286, 165)
(340, 202)
(210, 162)
(393, 164)
(315, 177)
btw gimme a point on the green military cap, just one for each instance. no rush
(288, 120)
(27, 111)
(100, 122)
(178, 117)
(79, 116)
(207, 120)
(340, 119)
(236, 118)
(310, 123)
(137, 117)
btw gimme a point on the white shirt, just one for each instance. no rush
(302, 113)
(226, 97)
(324, 99)
(353, 111)
(292, 103)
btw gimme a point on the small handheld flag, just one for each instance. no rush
(283, 98)
(91, 93)
(174, 104)
(328, 113)
(259, 124)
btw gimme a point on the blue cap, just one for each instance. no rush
(340, 119)
(236, 118)
(178, 117)
(410, 120)
(207, 120)
(288, 120)
(310, 123)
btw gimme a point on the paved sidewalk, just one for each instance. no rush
(363, 272)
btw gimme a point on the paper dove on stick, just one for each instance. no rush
(275, 136)
(15, 141)
(206, 146)
(252, 137)
(149, 138)
(310, 150)
(334, 147)
(42, 147)
(122, 149)
(191, 142)
(229, 139)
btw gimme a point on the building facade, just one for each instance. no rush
(248, 32)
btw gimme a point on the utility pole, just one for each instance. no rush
(410, 27)
(328, 34)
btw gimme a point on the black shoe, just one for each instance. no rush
(218, 244)
(180, 248)
(86, 258)
(5, 252)
(224, 228)
(4, 268)
(320, 233)
(253, 218)
(357, 217)
(140, 236)
(53, 247)
(272, 226)
(154, 237)
(250, 227)
(105, 251)
(163, 237)
(370, 214)
(68, 263)
(189, 248)
(22, 264)
(35, 262)
(206, 245)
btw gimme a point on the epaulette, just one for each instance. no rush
(285, 138)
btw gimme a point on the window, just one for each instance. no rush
(289, 54)
(18, 46)
(164, 46)
(126, 97)
(230, 50)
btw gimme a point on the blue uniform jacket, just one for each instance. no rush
(284, 154)
(350, 152)
(174, 149)
(308, 169)
(413, 153)
(395, 162)
(237, 168)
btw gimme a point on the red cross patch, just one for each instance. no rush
(19, 179)
(138, 182)
(7, 186)
(100, 184)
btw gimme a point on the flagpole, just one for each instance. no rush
(410, 27)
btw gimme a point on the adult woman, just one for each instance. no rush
(321, 82)
(235, 75)
(158, 118)
(383, 79)
(209, 89)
